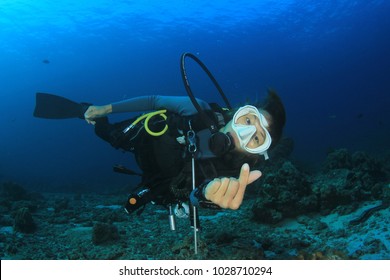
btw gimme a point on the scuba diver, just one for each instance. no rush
(190, 152)
(224, 164)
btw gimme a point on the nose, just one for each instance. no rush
(245, 133)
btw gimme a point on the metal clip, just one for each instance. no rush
(191, 137)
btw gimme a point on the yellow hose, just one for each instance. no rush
(147, 117)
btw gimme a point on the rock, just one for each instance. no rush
(104, 233)
(285, 193)
(338, 159)
(13, 192)
(23, 221)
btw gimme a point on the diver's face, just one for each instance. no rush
(248, 129)
(257, 139)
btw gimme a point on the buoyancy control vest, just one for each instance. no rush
(166, 158)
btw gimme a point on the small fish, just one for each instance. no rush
(46, 61)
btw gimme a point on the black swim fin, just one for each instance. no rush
(50, 106)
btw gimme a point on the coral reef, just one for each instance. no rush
(339, 212)
(284, 193)
(344, 182)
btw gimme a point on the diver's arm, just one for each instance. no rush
(181, 105)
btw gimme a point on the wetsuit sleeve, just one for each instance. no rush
(198, 199)
(181, 105)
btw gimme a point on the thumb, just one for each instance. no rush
(253, 176)
(247, 176)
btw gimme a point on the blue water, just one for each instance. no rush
(329, 61)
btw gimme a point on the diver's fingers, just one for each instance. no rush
(246, 177)
(90, 122)
(221, 191)
(90, 113)
(211, 188)
(254, 175)
(94, 112)
(229, 192)
(223, 187)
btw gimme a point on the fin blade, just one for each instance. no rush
(50, 106)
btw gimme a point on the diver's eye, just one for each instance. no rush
(257, 140)
(247, 121)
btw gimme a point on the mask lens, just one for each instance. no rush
(250, 127)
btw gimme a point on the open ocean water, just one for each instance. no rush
(328, 60)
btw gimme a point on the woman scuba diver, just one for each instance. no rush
(189, 151)
(242, 138)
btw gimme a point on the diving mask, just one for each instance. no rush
(246, 132)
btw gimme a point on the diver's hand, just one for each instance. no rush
(229, 192)
(94, 112)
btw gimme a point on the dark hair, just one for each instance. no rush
(274, 106)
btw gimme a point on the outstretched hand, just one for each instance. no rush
(229, 192)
